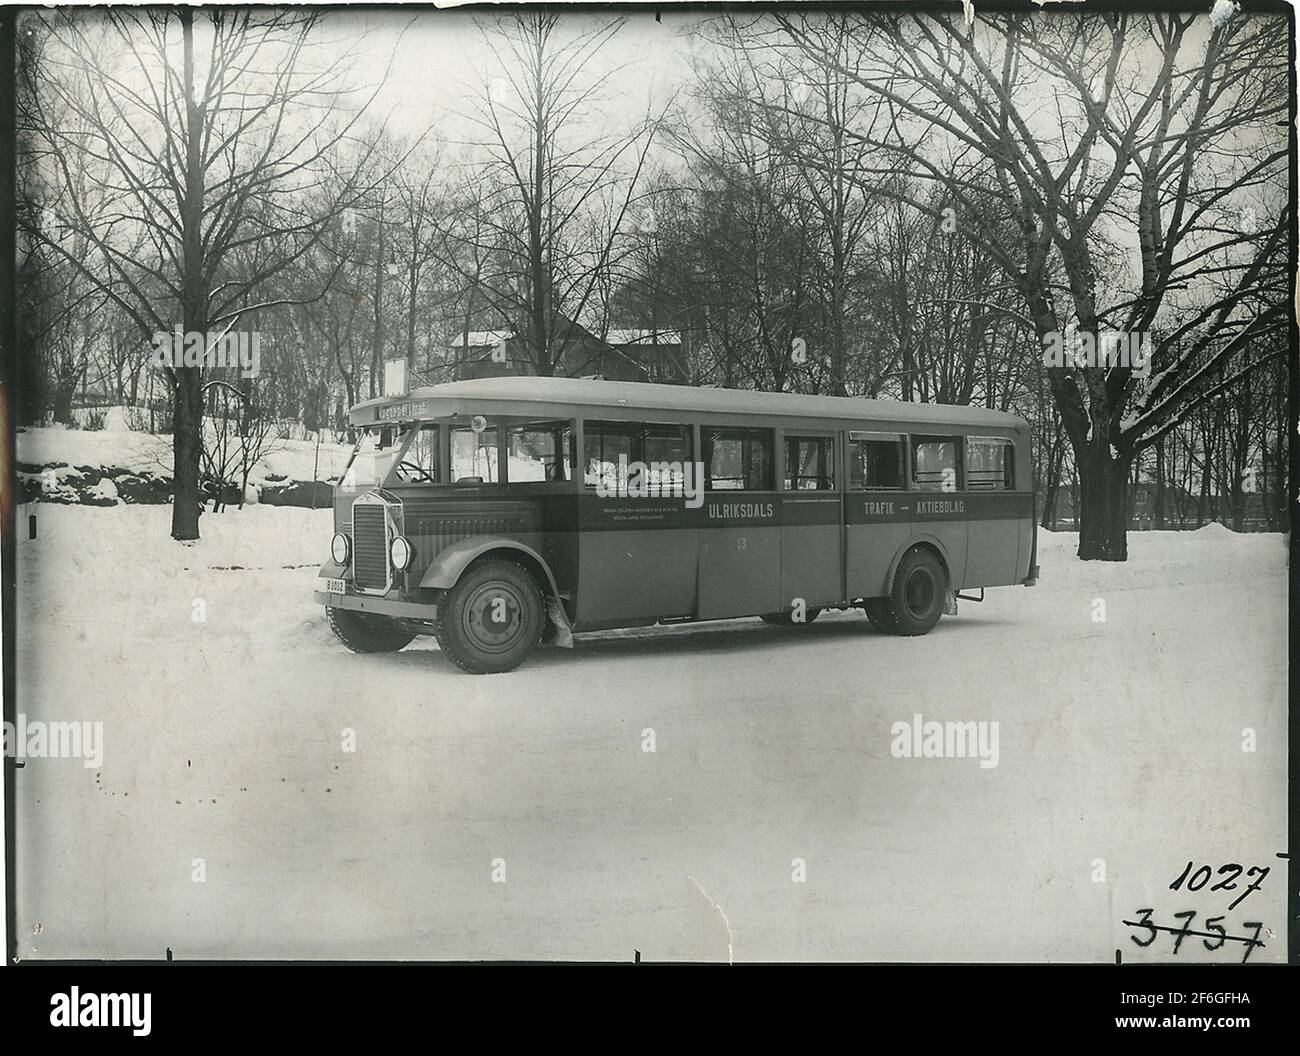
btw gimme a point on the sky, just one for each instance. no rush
(440, 59)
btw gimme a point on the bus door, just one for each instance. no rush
(740, 532)
(812, 537)
(877, 510)
(637, 548)
(996, 512)
(939, 504)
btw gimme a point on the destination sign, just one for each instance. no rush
(407, 409)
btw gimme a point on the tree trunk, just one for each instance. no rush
(414, 276)
(377, 352)
(187, 411)
(1103, 505)
(63, 394)
(1049, 505)
(1159, 503)
(187, 439)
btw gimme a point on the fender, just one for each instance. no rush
(331, 569)
(943, 554)
(446, 568)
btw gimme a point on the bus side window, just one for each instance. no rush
(737, 459)
(540, 451)
(934, 463)
(875, 463)
(809, 463)
(603, 444)
(474, 456)
(665, 449)
(419, 464)
(990, 463)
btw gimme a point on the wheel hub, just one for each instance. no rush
(493, 617)
(919, 592)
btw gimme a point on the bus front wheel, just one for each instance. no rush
(491, 619)
(877, 610)
(915, 603)
(366, 632)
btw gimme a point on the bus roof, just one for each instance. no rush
(534, 395)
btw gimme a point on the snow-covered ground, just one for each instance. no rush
(1120, 759)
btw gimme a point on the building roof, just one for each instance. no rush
(480, 338)
(643, 337)
(462, 396)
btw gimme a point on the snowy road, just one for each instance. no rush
(1119, 741)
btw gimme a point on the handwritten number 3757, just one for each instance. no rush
(1213, 930)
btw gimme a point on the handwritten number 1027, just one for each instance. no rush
(1198, 879)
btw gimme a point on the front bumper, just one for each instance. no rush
(406, 610)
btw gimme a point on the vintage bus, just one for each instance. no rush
(499, 513)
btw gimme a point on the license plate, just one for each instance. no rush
(336, 586)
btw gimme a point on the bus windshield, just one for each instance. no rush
(372, 458)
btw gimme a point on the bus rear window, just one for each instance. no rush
(990, 464)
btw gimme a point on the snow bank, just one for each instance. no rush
(118, 447)
(253, 569)
(1209, 556)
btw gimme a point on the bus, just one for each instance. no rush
(502, 513)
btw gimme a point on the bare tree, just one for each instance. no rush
(201, 134)
(1162, 128)
(544, 179)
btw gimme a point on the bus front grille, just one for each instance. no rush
(369, 546)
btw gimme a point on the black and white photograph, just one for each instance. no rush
(692, 484)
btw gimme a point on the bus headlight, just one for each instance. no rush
(400, 551)
(341, 549)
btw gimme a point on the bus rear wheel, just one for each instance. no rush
(367, 632)
(491, 619)
(785, 619)
(915, 603)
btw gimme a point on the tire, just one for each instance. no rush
(467, 629)
(916, 601)
(366, 632)
(879, 615)
(784, 619)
